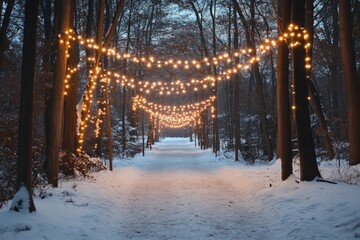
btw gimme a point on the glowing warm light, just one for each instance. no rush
(244, 58)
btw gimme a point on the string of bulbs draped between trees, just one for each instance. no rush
(172, 116)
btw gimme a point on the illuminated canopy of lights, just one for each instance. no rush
(173, 115)
(181, 115)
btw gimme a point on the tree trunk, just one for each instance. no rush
(334, 68)
(216, 138)
(123, 119)
(143, 131)
(3, 30)
(308, 165)
(283, 102)
(250, 39)
(313, 94)
(24, 162)
(88, 29)
(109, 34)
(109, 128)
(351, 80)
(57, 100)
(315, 102)
(70, 113)
(157, 129)
(101, 89)
(235, 95)
(200, 26)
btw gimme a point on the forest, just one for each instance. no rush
(86, 81)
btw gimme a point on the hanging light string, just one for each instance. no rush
(173, 115)
(220, 59)
(154, 86)
(152, 62)
(140, 101)
(175, 87)
(295, 36)
(298, 37)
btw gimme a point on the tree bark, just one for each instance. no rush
(351, 80)
(143, 131)
(123, 119)
(3, 30)
(313, 94)
(235, 95)
(308, 165)
(102, 86)
(216, 138)
(200, 26)
(57, 100)
(283, 102)
(24, 162)
(109, 128)
(334, 67)
(108, 36)
(70, 112)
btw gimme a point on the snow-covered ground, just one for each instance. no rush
(180, 192)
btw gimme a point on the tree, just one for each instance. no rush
(250, 40)
(351, 81)
(313, 93)
(283, 106)
(70, 113)
(24, 163)
(308, 165)
(4, 28)
(86, 102)
(235, 95)
(216, 138)
(57, 101)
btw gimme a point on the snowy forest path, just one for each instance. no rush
(181, 192)
(178, 191)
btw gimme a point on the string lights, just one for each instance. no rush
(173, 116)
(85, 116)
(176, 115)
(151, 62)
(298, 37)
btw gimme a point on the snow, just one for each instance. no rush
(178, 191)
(21, 200)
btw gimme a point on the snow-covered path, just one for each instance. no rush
(179, 195)
(181, 192)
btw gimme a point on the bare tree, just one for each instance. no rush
(308, 165)
(250, 39)
(4, 28)
(57, 100)
(24, 163)
(283, 106)
(70, 113)
(351, 80)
